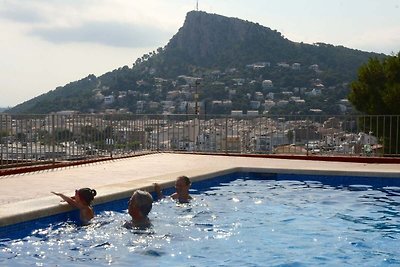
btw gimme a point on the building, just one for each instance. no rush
(252, 113)
(237, 112)
(5, 123)
(267, 84)
(296, 66)
(315, 68)
(258, 96)
(282, 103)
(268, 104)
(108, 100)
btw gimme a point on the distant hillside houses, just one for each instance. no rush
(215, 91)
(180, 97)
(189, 80)
(183, 91)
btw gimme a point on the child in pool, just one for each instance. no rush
(82, 200)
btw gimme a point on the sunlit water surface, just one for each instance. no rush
(240, 223)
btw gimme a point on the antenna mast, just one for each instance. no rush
(197, 5)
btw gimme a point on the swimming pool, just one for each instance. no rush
(241, 219)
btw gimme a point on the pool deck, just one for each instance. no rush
(27, 196)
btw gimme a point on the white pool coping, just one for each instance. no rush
(26, 197)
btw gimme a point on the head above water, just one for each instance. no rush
(182, 184)
(86, 194)
(185, 179)
(141, 200)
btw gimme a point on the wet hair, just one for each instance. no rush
(186, 179)
(144, 201)
(87, 194)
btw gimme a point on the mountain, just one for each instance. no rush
(209, 40)
(206, 46)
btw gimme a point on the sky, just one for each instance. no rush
(49, 43)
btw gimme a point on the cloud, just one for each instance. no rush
(114, 23)
(105, 33)
(21, 14)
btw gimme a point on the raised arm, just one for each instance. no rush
(67, 199)
(157, 189)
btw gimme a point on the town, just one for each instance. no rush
(74, 137)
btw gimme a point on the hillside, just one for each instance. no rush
(218, 50)
(214, 41)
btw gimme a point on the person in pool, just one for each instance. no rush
(182, 186)
(139, 207)
(82, 200)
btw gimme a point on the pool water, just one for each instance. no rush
(245, 221)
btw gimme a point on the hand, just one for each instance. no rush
(157, 187)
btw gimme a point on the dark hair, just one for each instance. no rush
(186, 179)
(87, 194)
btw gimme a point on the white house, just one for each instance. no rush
(283, 65)
(109, 99)
(296, 66)
(314, 67)
(237, 113)
(266, 84)
(270, 95)
(258, 96)
(268, 104)
(99, 96)
(252, 113)
(282, 103)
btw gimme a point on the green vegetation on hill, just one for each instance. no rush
(217, 50)
(377, 88)
(376, 92)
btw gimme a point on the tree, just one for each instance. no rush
(62, 135)
(377, 89)
(377, 92)
(2, 135)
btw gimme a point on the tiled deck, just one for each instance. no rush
(24, 196)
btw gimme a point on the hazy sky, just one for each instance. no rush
(49, 43)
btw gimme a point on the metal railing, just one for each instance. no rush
(32, 139)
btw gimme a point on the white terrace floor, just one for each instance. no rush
(20, 195)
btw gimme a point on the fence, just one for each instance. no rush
(31, 139)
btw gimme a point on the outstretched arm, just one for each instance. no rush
(67, 199)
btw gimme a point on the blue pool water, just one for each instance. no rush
(243, 219)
